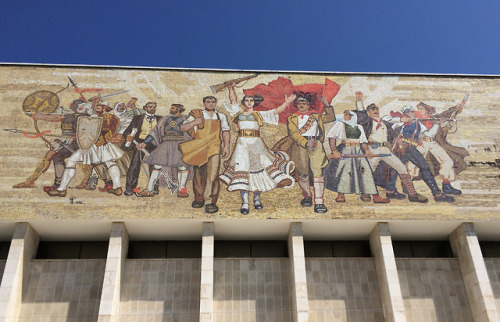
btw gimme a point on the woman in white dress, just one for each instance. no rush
(253, 167)
(352, 173)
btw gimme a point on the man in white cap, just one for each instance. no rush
(407, 136)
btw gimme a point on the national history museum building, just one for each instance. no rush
(154, 194)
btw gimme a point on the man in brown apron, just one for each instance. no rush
(204, 153)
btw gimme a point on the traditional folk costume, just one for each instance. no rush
(253, 167)
(441, 151)
(380, 138)
(123, 163)
(103, 151)
(303, 127)
(406, 147)
(350, 175)
(167, 136)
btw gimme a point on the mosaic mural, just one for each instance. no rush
(88, 142)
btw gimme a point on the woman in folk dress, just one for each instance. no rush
(353, 173)
(253, 167)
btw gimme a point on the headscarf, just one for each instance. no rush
(115, 110)
(353, 121)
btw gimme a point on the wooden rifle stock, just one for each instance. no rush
(219, 87)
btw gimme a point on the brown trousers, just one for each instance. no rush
(206, 184)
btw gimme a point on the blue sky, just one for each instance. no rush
(444, 36)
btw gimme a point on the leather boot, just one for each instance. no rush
(378, 199)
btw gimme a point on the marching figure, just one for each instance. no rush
(95, 134)
(211, 138)
(167, 135)
(307, 130)
(253, 167)
(435, 145)
(64, 146)
(410, 132)
(353, 173)
(138, 130)
(380, 137)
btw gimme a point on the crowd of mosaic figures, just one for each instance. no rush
(360, 153)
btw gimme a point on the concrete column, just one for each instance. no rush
(387, 273)
(115, 264)
(465, 246)
(300, 301)
(22, 249)
(207, 273)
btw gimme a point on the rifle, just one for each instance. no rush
(345, 156)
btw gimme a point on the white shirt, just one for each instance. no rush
(313, 131)
(206, 115)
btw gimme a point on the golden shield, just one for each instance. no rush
(44, 102)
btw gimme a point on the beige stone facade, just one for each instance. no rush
(295, 286)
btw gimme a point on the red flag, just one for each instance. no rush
(274, 95)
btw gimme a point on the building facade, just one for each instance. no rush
(78, 243)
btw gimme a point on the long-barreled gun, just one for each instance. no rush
(345, 156)
(435, 119)
(219, 87)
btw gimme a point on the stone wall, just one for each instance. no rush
(161, 290)
(493, 267)
(256, 289)
(433, 290)
(343, 289)
(62, 290)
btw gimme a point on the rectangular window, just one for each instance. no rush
(72, 250)
(338, 248)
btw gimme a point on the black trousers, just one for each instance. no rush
(135, 167)
(413, 155)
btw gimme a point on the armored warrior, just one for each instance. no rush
(97, 150)
(307, 130)
(63, 146)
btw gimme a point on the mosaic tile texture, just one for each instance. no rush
(477, 131)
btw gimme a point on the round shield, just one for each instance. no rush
(44, 102)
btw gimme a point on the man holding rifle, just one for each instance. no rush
(380, 137)
(434, 144)
(409, 133)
